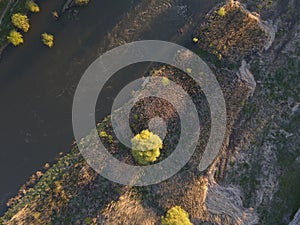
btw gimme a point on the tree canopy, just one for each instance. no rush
(176, 216)
(32, 6)
(20, 21)
(15, 38)
(146, 147)
(48, 39)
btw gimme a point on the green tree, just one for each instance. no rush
(48, 39)
(176, 216)
(20, 21)
(15, 38)
(32, 6)
(146, 147)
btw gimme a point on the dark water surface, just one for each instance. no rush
(37, 83)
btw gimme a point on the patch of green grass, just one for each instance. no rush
(3, 4)
(88, 220)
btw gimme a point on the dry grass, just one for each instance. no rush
(234, 36)
(128, 210)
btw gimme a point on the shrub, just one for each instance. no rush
(48, 39)
(222, 11)
(20, 21)
(189, 70)
(88, 220)
(195, 39)
(32, 6)
(15, 38)
(176, 216)
(146, 147)
(81, 2)
(165, 81)
(103, 134)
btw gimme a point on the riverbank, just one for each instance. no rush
(10, 8)
(70, 192)
(5, 20)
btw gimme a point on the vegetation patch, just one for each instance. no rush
(15, 38)
(81, 2)
(176, 216)
(146, 147)
(3, 4)
(48, 39)
(231, 32)
(222, 11)
(32, 6)
(20, 21)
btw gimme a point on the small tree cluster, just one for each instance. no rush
(176, 216)
(20, 21)
(146, 147)
(48, 39)
(32, 6)
(15, 38)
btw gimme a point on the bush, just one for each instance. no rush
(165, 81)
(81, 2)
(222, 11)
(48, 39)
(15, 38)
(20, 21)
(176, 216)
(146, 147)
(32, 6)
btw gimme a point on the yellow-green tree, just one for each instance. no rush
(48, 39)
(146, 147)
(20, 21)
(222, 11)
(32, 6)
(81, 2)
(15, 38)
(176, 216)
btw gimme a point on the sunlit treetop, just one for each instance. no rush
(15, 38)
(20, 21)
(146, 147)
(48, 39)
(32, 6)
(222, 11)
(81, 2)
(176, 216)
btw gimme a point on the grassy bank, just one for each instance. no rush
(6, 25)
(3, 4)
(55, 188)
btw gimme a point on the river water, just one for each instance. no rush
(37, 83)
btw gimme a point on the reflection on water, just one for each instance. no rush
(37, 83)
